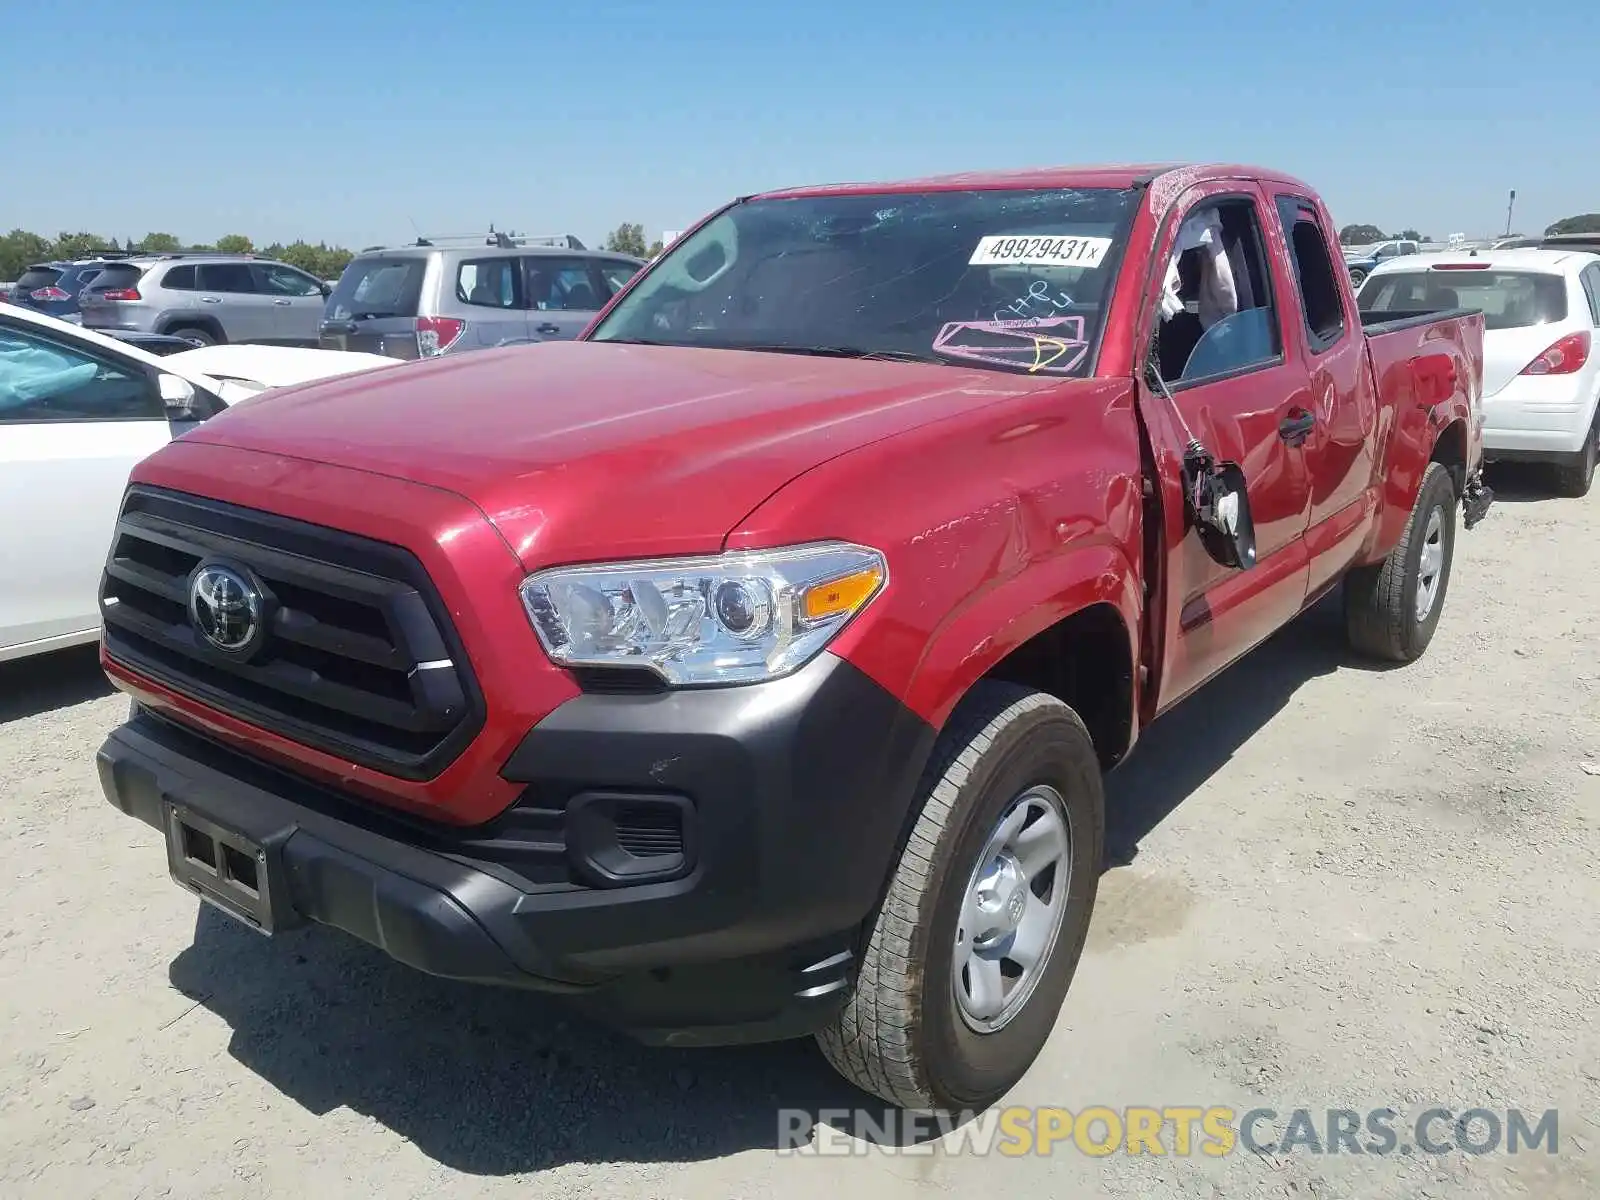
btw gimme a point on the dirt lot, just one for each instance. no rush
(1335, 887)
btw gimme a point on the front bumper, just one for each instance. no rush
(797, 795)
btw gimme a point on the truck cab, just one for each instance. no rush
(748, 667)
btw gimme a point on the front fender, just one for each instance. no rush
(1003, 617)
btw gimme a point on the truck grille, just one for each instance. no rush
(355, 655)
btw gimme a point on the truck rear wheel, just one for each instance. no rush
(976, 942)
(1392, 608)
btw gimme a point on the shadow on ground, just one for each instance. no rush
(34, 685)
(493, 1082)
(1188, 745)
(1520, 483)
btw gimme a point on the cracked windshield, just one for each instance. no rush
(1011, 280)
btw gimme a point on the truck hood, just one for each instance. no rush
(586, 450)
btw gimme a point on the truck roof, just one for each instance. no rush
(1112, 175)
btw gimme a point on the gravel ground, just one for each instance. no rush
(1335, 887)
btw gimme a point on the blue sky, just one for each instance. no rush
(350, 121)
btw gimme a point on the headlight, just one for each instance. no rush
(727, 618)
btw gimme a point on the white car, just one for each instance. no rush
(1541, 346)
(77, 411)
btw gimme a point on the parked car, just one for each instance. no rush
(210, 297)
(426, 300)
(77, 410)
(53, 287)
(1588, 243)
(1541, 371)
(1360, 261)
(746, 668)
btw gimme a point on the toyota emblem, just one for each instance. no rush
(226, 608)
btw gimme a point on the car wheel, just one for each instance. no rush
(1357, 277)
(1575, 476)
(970, 956)
(1392, 608)
(199, 337)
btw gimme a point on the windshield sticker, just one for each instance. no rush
(1053, 344)
(1020, 250)
(1038, 302)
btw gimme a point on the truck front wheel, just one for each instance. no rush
(1392, 608)
(984, 921)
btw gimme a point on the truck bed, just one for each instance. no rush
(1380, 324)
(1425, 363)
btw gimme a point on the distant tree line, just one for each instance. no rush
(629, 239)
(1582, 223)
(1365, 235)
(20, 248)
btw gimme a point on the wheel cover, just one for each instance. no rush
(1012, 910)
(1430, 569)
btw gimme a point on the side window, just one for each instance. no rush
(278, 280)
(1591, 285)
(560, 285)
(615, 275)
(179, 278)
(1218, 317)
(1320, 299)
(488, 283)
(44, 380)
(226, 277)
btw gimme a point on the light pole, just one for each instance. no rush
(1510, 204)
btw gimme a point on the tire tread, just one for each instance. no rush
(1376, 614)
(871, 1042)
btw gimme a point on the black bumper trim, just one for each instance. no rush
(801, 791)
(419, 907)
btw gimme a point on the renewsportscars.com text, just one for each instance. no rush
(1171, 1130)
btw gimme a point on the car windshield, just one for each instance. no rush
(1507, 299)
(1007, 279)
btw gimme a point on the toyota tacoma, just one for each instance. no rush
(748, 668)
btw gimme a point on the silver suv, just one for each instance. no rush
(428, 299)
(207, 298)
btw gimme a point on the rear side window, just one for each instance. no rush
(561, 285)
(1591, 287)
(1313, 268)
(226, 277)
(489, 283)
(378, 287)
(179, 278)
(79, 278)
(1507, 299)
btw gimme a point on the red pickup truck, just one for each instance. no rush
(748, 668)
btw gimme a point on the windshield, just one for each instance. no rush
(1012, 280)
(1507, 299)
